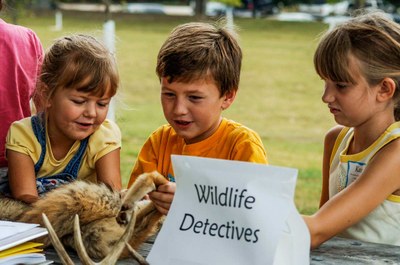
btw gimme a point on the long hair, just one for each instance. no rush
(374, 39)
(78, 62)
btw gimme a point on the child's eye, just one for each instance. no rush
(78, 101)
(341, 85)
(103, 104)
(168, 94)
(195, 98)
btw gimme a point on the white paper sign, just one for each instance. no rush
(231, 212)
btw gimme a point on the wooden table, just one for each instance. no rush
(341, 251)
(337, 251)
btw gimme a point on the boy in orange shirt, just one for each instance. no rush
(199, 71)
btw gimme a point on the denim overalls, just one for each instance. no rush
(70, 172)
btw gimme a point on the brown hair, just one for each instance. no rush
(78, 62)
(374, 39)
(200, 50)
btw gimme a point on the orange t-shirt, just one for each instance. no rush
(231, 141)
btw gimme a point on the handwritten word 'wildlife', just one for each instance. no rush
(230, 197)
(226, 197)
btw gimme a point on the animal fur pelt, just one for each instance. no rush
(103, 213)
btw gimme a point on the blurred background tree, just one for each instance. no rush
(17, 8)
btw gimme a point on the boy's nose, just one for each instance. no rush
(180, 107)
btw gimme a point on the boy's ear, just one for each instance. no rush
(229, 97)
(386, 89)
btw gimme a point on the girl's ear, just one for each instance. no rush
(229, 97)
(46, 100)
(40, 97)
(386, 89)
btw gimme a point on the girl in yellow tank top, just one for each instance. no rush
(359, 62)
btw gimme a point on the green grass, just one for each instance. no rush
(279, 95)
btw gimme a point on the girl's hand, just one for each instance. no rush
(163, 196)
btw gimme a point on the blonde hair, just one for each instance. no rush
(372, 38)
(201, 50)
(77, 62)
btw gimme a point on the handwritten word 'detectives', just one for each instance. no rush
(227, 230)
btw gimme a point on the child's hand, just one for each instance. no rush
(28, 198)
(163, 196)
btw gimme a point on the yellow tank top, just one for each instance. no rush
(382, 225)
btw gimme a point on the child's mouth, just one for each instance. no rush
(85, 125)
(183, 123)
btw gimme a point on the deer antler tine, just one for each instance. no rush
(80, 248)
(113, 256)
(136, 255)
(64, 257)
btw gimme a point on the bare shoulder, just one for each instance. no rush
(392, 149)
(386, 165)
(332, 135)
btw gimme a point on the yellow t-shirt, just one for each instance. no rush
(231, 141)
(106, 138)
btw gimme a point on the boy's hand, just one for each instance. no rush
(163, 196)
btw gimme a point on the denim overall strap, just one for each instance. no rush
(70, 172)
(40, 133)
(74, 164)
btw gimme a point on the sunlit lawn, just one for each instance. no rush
(279, 95)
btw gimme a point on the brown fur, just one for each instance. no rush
(102, 213)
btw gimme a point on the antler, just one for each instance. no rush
(136, 255)
(64, 257)
(116, 250)
(145, 183)
(111, 258)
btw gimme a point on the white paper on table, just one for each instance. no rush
(8, 228)
(243, 222)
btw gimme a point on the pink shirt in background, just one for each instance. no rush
(21, 56)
